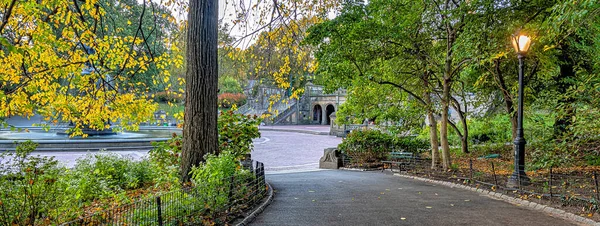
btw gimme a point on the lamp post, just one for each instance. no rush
(521, 44)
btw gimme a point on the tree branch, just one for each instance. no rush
(7, 15)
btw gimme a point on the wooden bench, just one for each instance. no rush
(400, 159)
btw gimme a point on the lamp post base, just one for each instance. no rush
(515, 182)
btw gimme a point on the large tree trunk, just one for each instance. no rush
(200, 121)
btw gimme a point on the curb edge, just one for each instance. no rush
(248, 219)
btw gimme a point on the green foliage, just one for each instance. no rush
(367, 146)
(214, 177)
(550, 154)
(236, 132)
(165, 156)
(229, 84)
(490, 129)
(103, 175)
(371, 146)
(32, 188)
(592, 160)
(411, 144)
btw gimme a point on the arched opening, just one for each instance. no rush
(329, 110)
(317, 115)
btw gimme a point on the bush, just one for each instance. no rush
(366, 146)
(213, 180)
(32, 189)
(104, 175)
(226, 100)
(236, 132)
(229, 85)
(411, 144)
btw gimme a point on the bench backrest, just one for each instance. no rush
(401, 155)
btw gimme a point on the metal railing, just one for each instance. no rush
(574, 187)
(219, 202)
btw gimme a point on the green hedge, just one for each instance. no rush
(369, 146)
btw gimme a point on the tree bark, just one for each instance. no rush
(508, 101)
(200, 128)
(444, 128)
(433, 133)
(563, 120)
(433, 139)
(446, 87)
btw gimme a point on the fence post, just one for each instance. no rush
(471, 170)
(596, 182)
(550, 183)
(494, 173)
(158, 204)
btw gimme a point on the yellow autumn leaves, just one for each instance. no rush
(43, 54)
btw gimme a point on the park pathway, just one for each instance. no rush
(337, 197)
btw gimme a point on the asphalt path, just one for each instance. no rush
(337, 197)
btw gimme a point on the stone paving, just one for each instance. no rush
(291, 151)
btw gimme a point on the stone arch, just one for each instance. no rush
(328, 111)
(317, 114)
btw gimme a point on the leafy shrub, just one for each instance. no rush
(550, 154)
(103, 175)
(228, 84)
(213, 179)
(31, 188)
(226, 100)
(166, 153)
(366, 146)
(236, 132)
(495, 129)
(411, 144)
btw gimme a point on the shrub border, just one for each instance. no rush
(515, 201)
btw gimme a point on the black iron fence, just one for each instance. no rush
(217, 202)
(575, 188)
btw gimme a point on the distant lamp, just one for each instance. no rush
(521, 43)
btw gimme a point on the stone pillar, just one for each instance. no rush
(324, 115)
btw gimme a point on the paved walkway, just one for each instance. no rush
(336, 197)
(291, 151)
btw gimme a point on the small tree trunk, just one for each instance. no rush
(200, 120)
(508, 101)
(433, 133)
(433, 136)
(444, 128)
(564, 120)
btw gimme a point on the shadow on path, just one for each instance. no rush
(336, 197)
